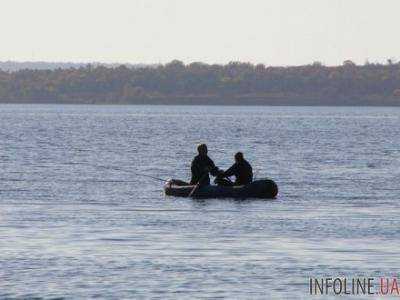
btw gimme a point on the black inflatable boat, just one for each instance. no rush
(264, 189)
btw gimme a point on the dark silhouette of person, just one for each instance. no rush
(202, 166)
(241, 169)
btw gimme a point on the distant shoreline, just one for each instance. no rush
(235, 83)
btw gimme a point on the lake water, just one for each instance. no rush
(71, 228)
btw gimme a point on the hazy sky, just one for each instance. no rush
(274, 32)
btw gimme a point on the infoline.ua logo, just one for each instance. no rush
(354, 286)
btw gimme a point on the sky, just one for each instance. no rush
(273, 32)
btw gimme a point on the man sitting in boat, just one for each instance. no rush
(202, 166)
(241, 169)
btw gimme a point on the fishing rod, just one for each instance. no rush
(125, 170)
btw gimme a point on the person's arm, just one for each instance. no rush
(214, 171)
(231, 171)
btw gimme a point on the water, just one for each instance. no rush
(70, 229)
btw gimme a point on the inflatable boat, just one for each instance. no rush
(262, 189)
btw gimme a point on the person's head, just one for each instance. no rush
(239, 157)
(202, 149)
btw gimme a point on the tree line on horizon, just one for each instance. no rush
(200, 83)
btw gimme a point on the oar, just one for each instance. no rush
(197, 185)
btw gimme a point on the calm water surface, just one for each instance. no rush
(70, 228)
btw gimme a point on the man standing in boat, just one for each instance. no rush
(202, 166)
(241, 169)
